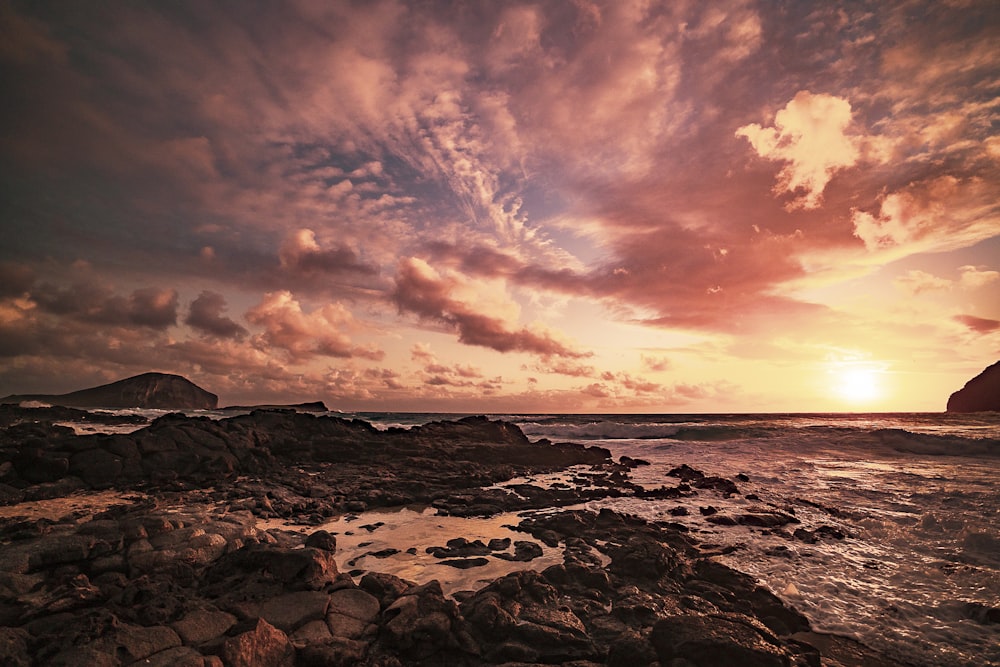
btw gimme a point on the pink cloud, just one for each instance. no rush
(300, 252)
(656, 364)
(421, 290)
(304, 335)
(974, 276)
(565, 367)
(943, 212)
(916, 281)
(980, 325)
(596, 390)
(637, 385)
(810, 137)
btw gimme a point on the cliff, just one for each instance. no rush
(980, 394)
(149, 390)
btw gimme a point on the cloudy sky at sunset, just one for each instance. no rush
(564, 206)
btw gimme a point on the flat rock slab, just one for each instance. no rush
(180, 656)
(355, 603)
(202, 625)
(291, 610)
(131, 643)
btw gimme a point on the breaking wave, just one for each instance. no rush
(900, 440)
(885, 435)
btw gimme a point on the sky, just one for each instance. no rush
(504, 207)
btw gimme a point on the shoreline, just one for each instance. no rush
(629, 591)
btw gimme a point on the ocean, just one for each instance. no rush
(899, 514)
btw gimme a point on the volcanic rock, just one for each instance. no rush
(160, 391)
(980, 394)
(262, 645)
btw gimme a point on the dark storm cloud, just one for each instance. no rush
(151, 307)
(15, 279)
(206, 315)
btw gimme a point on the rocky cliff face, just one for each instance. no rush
(980, 394)
(149, 390)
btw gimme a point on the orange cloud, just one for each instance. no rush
(973, 277)
(916, 281)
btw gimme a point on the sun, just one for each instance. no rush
(858, 385)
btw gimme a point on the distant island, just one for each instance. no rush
(312, 406)
(161, 391)
(980, 394)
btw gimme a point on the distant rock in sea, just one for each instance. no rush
(313, 406)
(161, 391)
(980, 394)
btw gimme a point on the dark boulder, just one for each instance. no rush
(719, 639)
(421, 624)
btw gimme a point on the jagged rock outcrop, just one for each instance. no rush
(359, 466)
(188, 576)
(150, 390)
(980, 394)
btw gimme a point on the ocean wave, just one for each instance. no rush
(614, 430)
(901, 440)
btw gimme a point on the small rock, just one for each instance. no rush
(499, 544)
(261, 646)
(321, 539)
(464, 563)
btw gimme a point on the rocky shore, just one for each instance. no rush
(178, 568)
